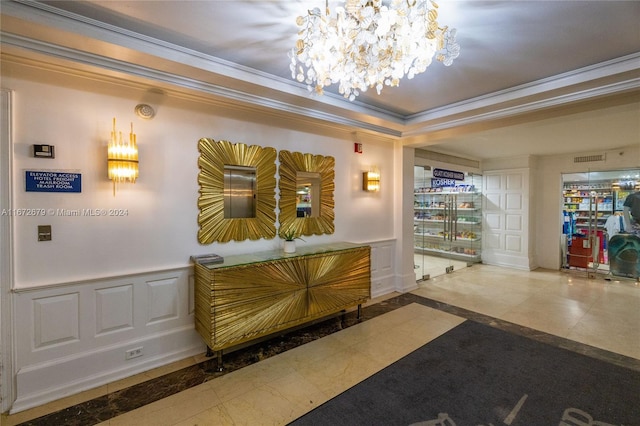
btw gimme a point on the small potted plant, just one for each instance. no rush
(289, 236)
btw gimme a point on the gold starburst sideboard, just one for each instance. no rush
(254, 295)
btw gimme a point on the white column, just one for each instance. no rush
(403, 217)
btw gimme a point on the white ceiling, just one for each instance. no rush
(513, 53)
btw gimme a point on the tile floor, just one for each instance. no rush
(434, 266)
(595, 315)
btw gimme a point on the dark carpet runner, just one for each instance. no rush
(478, 375)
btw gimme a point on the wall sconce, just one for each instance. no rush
(122, 158)
(371, 180)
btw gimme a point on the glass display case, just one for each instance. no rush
(448, 216)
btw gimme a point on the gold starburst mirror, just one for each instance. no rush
(237, 191)
(306, 193)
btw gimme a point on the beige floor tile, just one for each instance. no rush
(387, 348)
(171, 410)
(262, 406)
(299, 391)
(216, 416)
(612, 335)
(314, 352)
(340, 371)
(425, 330)
(554, 315)
(593, 311)
(242, 381)
(356, 334)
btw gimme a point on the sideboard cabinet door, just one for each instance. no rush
(241, 303)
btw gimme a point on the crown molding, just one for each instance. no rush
(179, 81)
(40, 28)
(110, 36)
(620, 75)
(528, 107)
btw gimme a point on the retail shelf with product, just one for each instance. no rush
(592, 203)
(447, 221)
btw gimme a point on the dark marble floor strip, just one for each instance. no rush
(114, 404)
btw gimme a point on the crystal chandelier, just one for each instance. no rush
(369, 44)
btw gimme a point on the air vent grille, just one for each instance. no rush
(589, 158)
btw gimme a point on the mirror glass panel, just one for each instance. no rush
(307, 194)
(239, 191)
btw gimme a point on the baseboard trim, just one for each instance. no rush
(55, 376)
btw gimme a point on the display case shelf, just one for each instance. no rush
(442, 208)
(450, 254)
(447, 193)
(440, 215)
(459, 222)
(441, 237)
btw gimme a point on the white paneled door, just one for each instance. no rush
(506, 218)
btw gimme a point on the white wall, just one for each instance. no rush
(160, 228)
(105, 285)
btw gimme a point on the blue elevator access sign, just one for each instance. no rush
(52, 181)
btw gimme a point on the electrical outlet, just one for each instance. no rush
(133, 353)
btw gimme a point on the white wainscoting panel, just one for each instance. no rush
(514, 182)
(513, 222)
(382, 267)
(514, 202)
(493, 201)
(114, 309)
(492, 182)
(56, 320)
(513, 243)
(191, 302)
(162, 300)
(71, 337)
(493, 221)
(492, 241)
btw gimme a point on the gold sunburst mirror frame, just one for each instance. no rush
(295, 167)
(217, 160)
